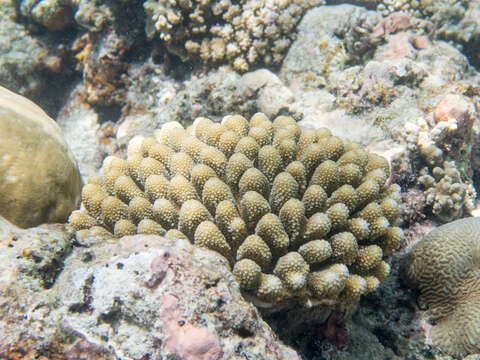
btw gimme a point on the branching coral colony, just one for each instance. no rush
(299, 213)
(241, 33)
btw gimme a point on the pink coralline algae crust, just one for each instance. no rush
(458, 107)
(391, 24)
(183, 339)
(397, 47)
(188, 342)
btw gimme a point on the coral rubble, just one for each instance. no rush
(300, 214)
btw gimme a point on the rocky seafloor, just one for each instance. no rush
(400, 78)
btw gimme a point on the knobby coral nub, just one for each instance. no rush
(300, 214)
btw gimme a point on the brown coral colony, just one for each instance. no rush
(299, 213)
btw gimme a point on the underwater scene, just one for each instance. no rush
(239, 179)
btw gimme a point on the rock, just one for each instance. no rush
(273, 95)
(30, 261)
(328, 39)
(54, 15)
(392, 23)
(139, 297)
(39, 177)
(397, 47)
(81, 129)
(153, 100)
(27, 65)
(456, 107)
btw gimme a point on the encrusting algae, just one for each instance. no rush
(300, 214)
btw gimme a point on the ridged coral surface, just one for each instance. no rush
(300, 214)
(445, 267)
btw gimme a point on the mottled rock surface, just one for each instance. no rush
(326, 42)
(29, 65)
(39, 176)
(82, 132)
(142, 297)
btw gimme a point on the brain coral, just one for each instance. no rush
(241, 33)
(39, 177)
(445, 266)
(300, 214)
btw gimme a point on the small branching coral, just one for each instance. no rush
(444, 141)
(244, 34)
(300, 214)
(449, 197)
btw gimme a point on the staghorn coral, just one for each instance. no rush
(294, 225)
(444, 267)
(244, 34)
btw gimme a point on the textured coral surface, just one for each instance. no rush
(241, 33)
(298, 213)
(445, 267)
